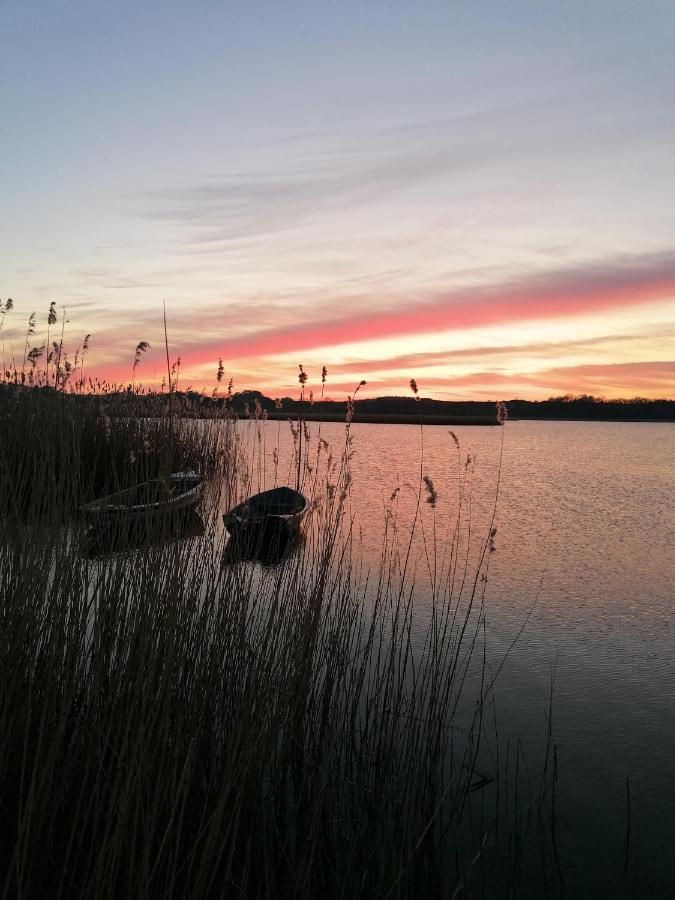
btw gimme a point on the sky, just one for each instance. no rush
(479, 195)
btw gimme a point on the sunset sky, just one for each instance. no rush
(477, 194)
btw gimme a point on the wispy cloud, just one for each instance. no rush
(246, 204)
(414, 362)
(652, 379)
(601, 288)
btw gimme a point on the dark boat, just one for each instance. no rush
(275, 514)
(153, 500)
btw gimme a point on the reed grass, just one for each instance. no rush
(171, 726)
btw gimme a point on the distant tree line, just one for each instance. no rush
(255, 404)
(588, 407)
(582, 406)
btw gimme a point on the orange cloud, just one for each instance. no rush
(647, 379)
(566, 294)
(571, 294)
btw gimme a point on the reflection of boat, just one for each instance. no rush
(159, 498)
(279, 512)
(108, 537)
(269, 545)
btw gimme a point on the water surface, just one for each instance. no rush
(585, 518)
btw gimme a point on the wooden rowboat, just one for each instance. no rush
(279, 511)
(154, 499)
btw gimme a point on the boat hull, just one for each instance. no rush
(274, 515)
(150, 502)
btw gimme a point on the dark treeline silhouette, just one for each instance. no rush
(589, 408)
(582, 407)
(254, 404)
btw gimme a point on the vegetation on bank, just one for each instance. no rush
(252, 404)
(60, 450)
(582, 407)
(171, 726)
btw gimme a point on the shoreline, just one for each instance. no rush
(384, 418)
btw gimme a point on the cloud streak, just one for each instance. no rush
(414, 362)
(653, 379)
(601, 288)
(252, 354)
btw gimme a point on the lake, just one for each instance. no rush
(584, 558)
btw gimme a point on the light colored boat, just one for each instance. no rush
(157, 498)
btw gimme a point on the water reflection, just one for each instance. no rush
(114, 537)
(270, 544)
(584, 555)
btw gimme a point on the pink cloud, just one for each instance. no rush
(652, 379)
(569, 294)
(558, 295)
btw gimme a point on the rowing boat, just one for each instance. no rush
(277, 511)
(157, 498)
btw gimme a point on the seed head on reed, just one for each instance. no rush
(324, 375)
(302, 377)
(5, 307)
(51, 315)
(350, 401)
(454, 438)
(220, 372)
(413, 388)
(141, 348)
(432, 496)
(502, 412)
(34, 355)
(29, 331)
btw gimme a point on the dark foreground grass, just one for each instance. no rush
(174, 727)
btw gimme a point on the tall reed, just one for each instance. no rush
(171, 726)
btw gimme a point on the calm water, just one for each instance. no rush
(586, 545)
